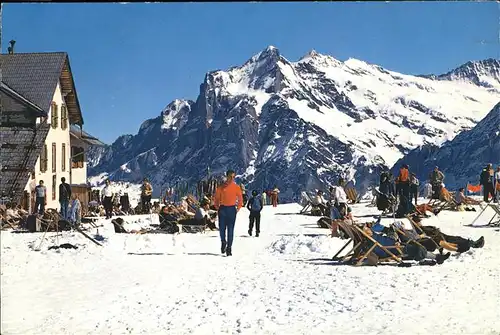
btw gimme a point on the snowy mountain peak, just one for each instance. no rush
(484, 73)
(176, 114)
(269, 54)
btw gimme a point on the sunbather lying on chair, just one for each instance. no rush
(422, 209)
(448, 242)
(462, 201)
(409, 250)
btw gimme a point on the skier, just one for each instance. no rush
(228, 201)
(255, 206)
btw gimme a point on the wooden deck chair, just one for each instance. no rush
(306, 200)
(353, 237)
(352, 195)
(363, 247)
(193, 204)
(445, 202)
(493, 221)
(308, 207)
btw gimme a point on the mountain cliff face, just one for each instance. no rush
(297, 124)
(462, 158)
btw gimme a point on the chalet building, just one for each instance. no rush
(41, 127)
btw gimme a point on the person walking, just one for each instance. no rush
(264, 198)
(107, 199)
(255, 206)
(41, 198)
(64, 196)
(228, 201)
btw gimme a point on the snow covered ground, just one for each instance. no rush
(279, 283)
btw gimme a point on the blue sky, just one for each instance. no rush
(130, 61)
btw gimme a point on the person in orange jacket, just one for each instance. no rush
(228, 201)
(403, 182)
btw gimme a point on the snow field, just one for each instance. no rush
(279, 283)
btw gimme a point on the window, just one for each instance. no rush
(54, 116)
(64, 117)
(54, 161)
(44, 159)
(54, 182)
(63, 157)
(77, 157)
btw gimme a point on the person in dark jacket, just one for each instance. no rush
(386, 187)
(486, 179)
(255, 206)
(64, 196)
(436, 177)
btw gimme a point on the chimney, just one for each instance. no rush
(11, 48)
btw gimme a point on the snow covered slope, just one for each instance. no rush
(298, 124)
(280, 283)
(462, 158)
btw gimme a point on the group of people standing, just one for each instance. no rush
(70, 206)
(407, 184)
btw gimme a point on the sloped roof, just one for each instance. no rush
(85, 137)
(20, 148)
(35, 77)
(4, 88)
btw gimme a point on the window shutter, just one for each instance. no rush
(43, 159)
(64, 117)
(63, 157)
(55, 117)
(54, 158)
(54, 184)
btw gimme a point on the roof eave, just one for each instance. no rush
(79, 120)
(38, 111)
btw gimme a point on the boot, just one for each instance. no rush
(441, 258)
(257, 234)
(228, 252)
(223, 248)
(249, 232)
(479, 243)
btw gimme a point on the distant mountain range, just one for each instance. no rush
(461, 159)
(301, 124)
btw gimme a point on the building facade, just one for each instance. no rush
(45, 79)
